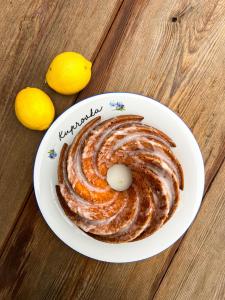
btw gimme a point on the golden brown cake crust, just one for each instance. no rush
(93, 205)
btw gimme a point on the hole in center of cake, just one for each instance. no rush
(119, 177)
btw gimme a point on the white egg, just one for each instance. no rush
(119, 177)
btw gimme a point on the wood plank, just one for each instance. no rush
(197, 271)
(182, 64)
(31, 34)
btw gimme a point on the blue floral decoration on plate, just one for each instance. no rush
(52, 154)
(117, 105)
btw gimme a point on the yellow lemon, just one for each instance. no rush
(69, 73)
(34, 108)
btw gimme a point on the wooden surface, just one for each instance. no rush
(173, 51)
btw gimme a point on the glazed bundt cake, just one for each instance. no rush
(91, 203)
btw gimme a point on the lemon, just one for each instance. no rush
(69, 73)
(34, 109)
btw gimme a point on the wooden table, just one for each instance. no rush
(171, 50)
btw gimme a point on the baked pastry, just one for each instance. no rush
(89, 200)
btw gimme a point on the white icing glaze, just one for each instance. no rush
(74, 165)
(137, 210)
(100, 136)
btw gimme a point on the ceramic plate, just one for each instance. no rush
(110, 105)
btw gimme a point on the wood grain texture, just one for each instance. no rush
(197, 271)
(169, 50)
(31, 34)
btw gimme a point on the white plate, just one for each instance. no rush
(156, 115)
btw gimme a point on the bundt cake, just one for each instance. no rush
(91, 203)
